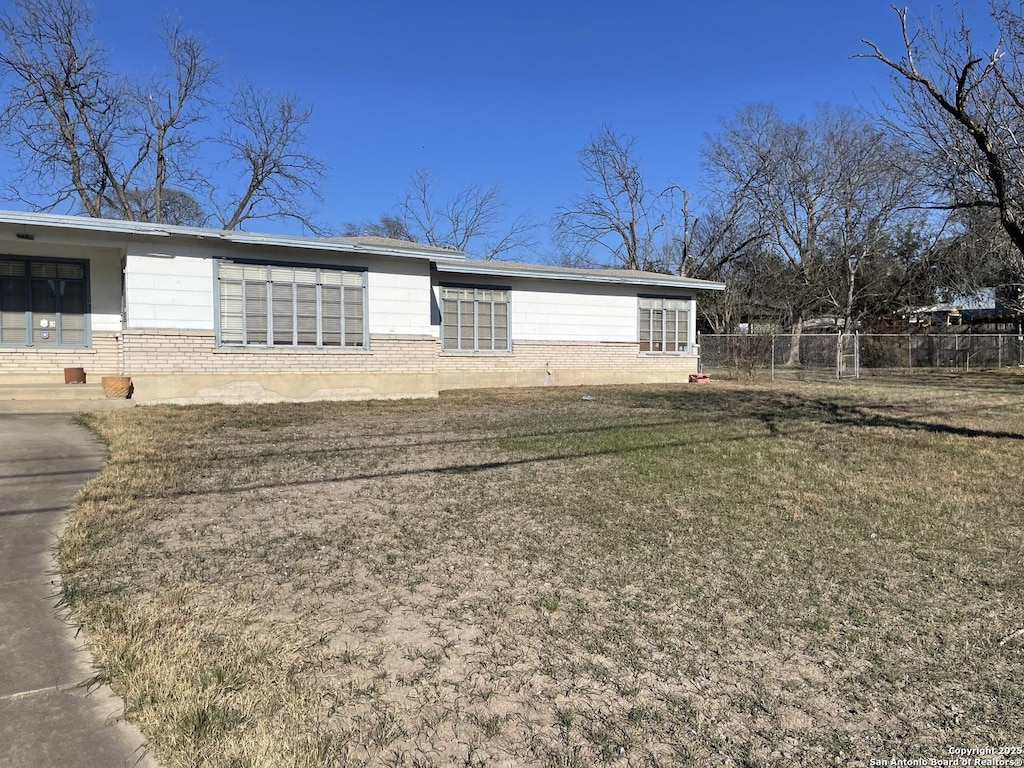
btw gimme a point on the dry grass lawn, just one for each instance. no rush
(737, 574)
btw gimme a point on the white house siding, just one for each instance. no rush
(567, 312)
(169, 291)
(399, 299)
(559, 310)
(105, 287)
(182, 362)
(567, 333)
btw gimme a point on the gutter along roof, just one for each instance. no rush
(542, 272)
(379, 246)
(444, 260)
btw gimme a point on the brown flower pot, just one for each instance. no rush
(117, 386)
(74, 375)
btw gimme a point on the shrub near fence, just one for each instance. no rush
(852, 354)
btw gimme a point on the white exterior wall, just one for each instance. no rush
(399, 300)
(105, 287)
(171, 291)
(578, 313)
(691, 341)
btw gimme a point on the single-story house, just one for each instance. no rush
(989, 310)
(204, 315)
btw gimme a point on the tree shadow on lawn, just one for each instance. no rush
(778, 408)
(783, 413)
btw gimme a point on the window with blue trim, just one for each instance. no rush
(43, 302)
(474, 319)
(266, 305)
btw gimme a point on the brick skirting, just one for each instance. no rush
(182, 366)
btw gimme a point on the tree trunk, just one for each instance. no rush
(794, 346)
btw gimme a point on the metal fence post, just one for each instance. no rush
(839, 355)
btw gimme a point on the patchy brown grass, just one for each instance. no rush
(726, 575)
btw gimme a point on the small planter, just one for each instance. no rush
(118, 387)
(74, 375)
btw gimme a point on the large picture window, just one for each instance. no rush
(474, 319)
(267, 305)
(664, 325)
(43, 302)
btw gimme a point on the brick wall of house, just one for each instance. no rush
(180, 352)
(568, 355)
(42, 365)
(165, 353)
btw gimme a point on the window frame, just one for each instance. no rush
(682, 343)
(477, 301)
(30, 312)
(267, 333)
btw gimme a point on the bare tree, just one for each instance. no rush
(86, 135)
(774, 167)
(961, 108)
(173, 103)
(266, 144)
(472, 220)
(825, 193)
(178, 207)
(977, 254)
(704, 244)
(720, 242)
(388, 225)
(868, 208)
(618, 216)
(66, 113)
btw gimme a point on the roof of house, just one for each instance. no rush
(545, 272)
(374, 245)
(445, 260)
(983, 299)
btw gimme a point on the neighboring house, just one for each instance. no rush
(983, 312)
(201, 315)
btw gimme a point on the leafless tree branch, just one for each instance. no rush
(472, 220)
(617, 214)
(961, 110)
(83, 133)
(265, 139)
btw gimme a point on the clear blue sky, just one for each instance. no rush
(507, 93)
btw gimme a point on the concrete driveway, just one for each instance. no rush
(45, 721)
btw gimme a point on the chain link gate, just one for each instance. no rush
(848, 356)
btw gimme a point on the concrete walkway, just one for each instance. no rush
(45, 721)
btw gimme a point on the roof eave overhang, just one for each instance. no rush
(651, 279)
(118, 230)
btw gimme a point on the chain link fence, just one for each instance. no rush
(850, 355)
